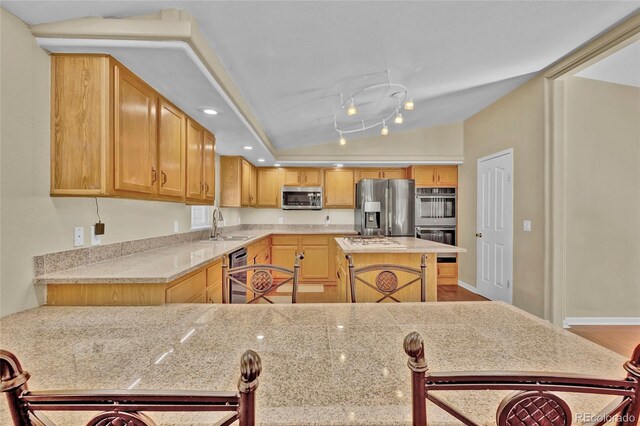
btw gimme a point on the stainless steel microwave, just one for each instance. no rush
(301, 198)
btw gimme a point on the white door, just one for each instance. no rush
(495, 226)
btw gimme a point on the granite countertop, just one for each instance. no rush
(322, 363)
(410, 245)
(166, 264)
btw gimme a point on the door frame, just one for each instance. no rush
(555, 164)
(505, 152)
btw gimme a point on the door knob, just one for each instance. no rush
(479, 235)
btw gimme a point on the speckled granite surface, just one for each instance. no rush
(409, 245)
(323, 364)
(164, 264)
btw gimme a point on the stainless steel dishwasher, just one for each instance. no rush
(238, 293)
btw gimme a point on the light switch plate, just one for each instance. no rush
(95, 239)
(78, 236)
(526, 226)
(281, 220)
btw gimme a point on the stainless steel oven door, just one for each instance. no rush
(439, 234)
(437, 210)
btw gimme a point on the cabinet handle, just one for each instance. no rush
(201, 187)
(438, 178)
(479, 235)
(206, 188)
(164, 177)
(211, 300)
(382, 174)
(433, 178)
(154, 175)
(438, 269)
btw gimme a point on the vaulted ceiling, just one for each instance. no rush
(290, 60)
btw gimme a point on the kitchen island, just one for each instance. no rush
(405, 251)
(322, 363)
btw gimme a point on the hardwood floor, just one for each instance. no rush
(619, 338)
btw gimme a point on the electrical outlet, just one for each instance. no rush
(78, 236)
(526, 226)
(176, 226)
(95, 239)
(281, 220)
(327, 219)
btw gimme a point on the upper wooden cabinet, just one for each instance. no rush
(339, 188)
(386, 173)
(238, 182)
(113, 135)
(135, 145)
(171, 149)
(302, 177)
(200, 164)
(437, 176)
(268, 187)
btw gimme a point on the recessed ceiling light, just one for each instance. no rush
(248, 148)
(338, 165)
(208, 110)
(277, 165)
(260, 160)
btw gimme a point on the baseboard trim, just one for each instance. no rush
(569, 321)
(466, 286)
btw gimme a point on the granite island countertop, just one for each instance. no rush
(322, 363)
(409, 245)
(169, 263)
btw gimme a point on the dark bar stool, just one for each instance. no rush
(120, 407)
(262, 280)
(532, 403)
(387, 283)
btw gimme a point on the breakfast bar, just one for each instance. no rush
(322, 363)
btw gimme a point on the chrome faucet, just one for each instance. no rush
(216, 214)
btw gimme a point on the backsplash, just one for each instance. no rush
(59, 261)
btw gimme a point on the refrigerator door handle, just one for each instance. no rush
(388, 196)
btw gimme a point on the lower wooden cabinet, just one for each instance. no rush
(318, 250)
(214, 283)
(190, 290)
(447, 273)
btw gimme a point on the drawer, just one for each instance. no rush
(285, 240)
(315, 240)
(214, 273)
(447, 270)
(187, 291)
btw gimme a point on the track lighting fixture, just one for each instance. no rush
(351, 109)
(409, 105)
(385, 129)
(398, 119)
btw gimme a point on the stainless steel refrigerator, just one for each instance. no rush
(385, 207)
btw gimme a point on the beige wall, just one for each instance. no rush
(514, 121)
(602, 199)
(439, 143)
(289, 217)
(31, 222)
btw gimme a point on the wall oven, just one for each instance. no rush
(439, 234)
(301, 198)
(435, 206)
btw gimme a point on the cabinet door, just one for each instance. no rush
(447, 176)
(209, 164)
(315, 265)
(291, 177)
(339, 188)
(171, 150)
(253, 186)
(134, 134)
(369, 174)
(283, 256)
(425, 175)
(267, 187)
(190, 290)
(394, 173)
(310, 177)
(245, 182)
(195, 141)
